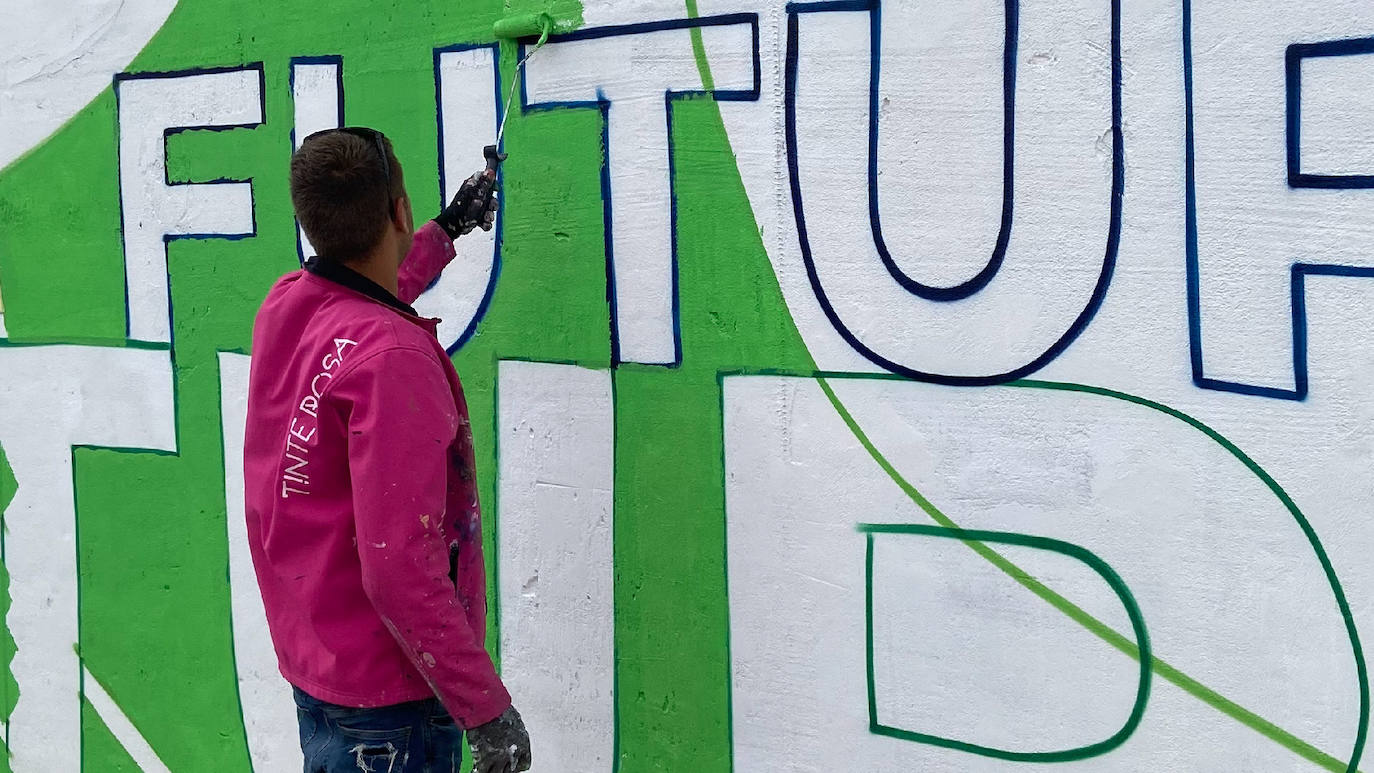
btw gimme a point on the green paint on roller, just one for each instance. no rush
(525, 25)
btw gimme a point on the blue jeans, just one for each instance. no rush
(417, 737)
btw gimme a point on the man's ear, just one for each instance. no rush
(401, 215)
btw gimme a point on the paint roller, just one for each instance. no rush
(520, 26)
(524, 25)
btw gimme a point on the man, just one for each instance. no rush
(361, 494)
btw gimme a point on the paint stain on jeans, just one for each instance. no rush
(369, 755)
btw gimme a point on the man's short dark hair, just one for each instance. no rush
(339, 191)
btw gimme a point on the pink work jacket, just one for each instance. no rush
(363, 519)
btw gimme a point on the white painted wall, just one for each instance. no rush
(554, 569)
(960, 649)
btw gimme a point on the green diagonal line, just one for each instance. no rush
(699, 50)
(1076, 613)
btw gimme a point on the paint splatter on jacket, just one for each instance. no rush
(363, 519)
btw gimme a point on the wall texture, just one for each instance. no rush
(880, 385)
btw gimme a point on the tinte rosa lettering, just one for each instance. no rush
(295, 476)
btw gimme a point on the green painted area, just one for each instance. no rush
(671, 605)
(59, 217)
(143, 569)
(100, 750)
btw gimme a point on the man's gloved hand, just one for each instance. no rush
(501, 745)
(474, 206)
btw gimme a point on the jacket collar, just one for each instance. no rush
(341, 274)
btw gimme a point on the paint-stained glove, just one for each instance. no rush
(501, 745)
(474, 206)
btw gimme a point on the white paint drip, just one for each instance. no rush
(366, 754)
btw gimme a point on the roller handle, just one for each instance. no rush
(494, 158)
(481, 202)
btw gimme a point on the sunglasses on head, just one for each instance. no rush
(377, 139)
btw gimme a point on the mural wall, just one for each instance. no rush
(887, 385)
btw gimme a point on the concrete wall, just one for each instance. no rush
(1086, 280)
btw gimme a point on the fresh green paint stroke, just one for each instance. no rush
(1105, 632)
(699, 50)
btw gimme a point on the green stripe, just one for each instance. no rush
(1082, 617)
(699, 50)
